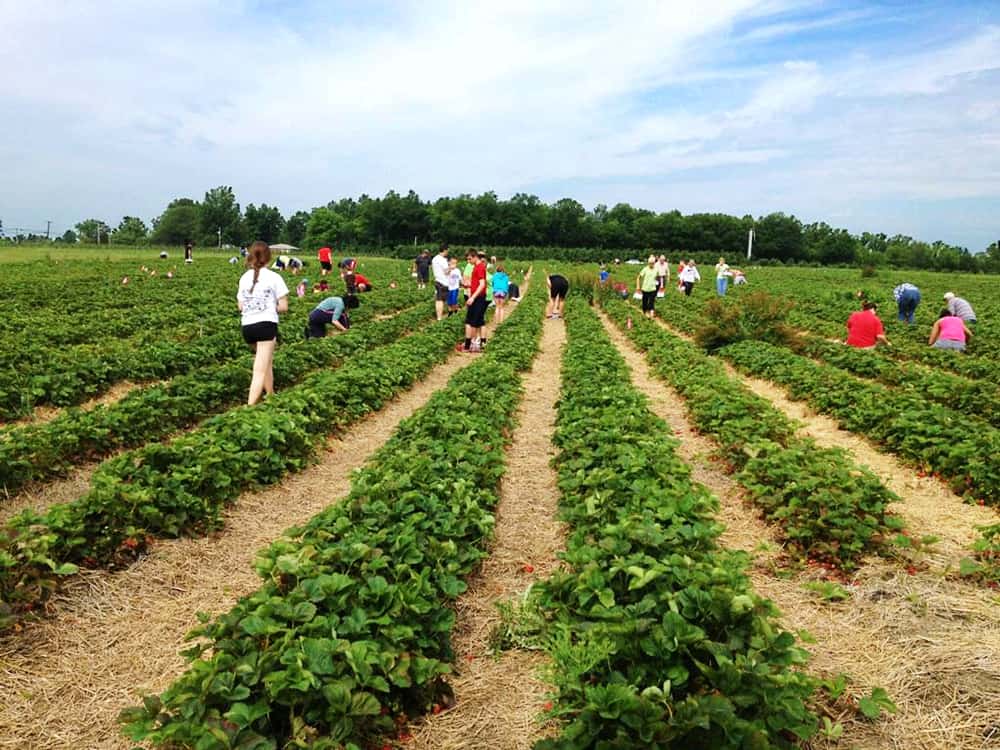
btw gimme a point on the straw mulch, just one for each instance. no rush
(928, 506)
(498, 700)
(116, 637)
(932, 642)
(47, 412)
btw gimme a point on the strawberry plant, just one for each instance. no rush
(827, 508)
(657, 639)
(167, 489)
(350, 627)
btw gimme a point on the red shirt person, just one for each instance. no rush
(864, 329)
(325, 256)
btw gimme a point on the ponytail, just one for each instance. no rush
(258, 258)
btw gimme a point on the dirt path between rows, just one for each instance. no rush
(117, 637)
(931, 642)
(927, 507)
(498, 701)
(47, 412)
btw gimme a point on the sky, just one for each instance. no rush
(880, 117)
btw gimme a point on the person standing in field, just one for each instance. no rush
(662, 275)
(689, 276)
(501, 288)
(647, 282)
(421, 267)
(188, 251)
(454, 285)
(680, 270)
(907, 298)
(722, 274)
(476, 304)
(440, 268)
(260, 296)
(949, 332)
(325, 257)
(960, 308)
(864, 329)
(470, 263)
(558, 289)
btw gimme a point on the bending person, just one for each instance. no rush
(949, 332)
(558, 288)
(329, 312)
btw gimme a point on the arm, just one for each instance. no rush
(337, 325)
(479, 290)
(968, 332)
(638, 280)
(935, 331)
(282, 304)
(881, 337)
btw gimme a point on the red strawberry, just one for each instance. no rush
(436, 709)
(547, 706)
(528, 568)
(911, 570)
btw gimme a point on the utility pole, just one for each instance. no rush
(48, 229)
(750, 243)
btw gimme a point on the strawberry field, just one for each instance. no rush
(593, 534)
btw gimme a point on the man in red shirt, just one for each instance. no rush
(476, 304)
(325, 256)
(864, 329)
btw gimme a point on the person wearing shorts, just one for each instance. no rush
(501, 288)
(325, 257)
(421, 267)
(558, 288)
(439, 266)
(260, 296)
(475, 307)
(454, 285)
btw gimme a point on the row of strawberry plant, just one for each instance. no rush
(167, 489)
(657, 638)
(977, 398)
(960, 448)
(827, 508)
(65, 378)
(37, 452)
(350, 630)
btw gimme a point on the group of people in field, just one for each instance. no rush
(952, 330)
(262, 295)
(652, 280)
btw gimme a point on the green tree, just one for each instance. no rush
(220, 211)
(130, 231)
(179, 223)
(295, 228)
(327, 228)
(265, 223)
(778, 236)
(94, 231)
(69, 237)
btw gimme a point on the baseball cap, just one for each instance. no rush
(949, 295)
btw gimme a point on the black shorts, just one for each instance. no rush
(326, 265)
(263, 331)
(440, 292)
(559, 286)
(422, 275)
(475, 314)
(649, 301)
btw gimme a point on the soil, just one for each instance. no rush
(117, 637)
(930, 641)
(499, 699)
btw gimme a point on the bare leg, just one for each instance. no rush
(262, 374)
(439, 309)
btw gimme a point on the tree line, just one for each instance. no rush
(525, 221)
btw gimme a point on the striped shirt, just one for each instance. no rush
(960, 308)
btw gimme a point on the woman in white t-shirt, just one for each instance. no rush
(261, 295)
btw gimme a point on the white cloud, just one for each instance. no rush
(116, 107)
